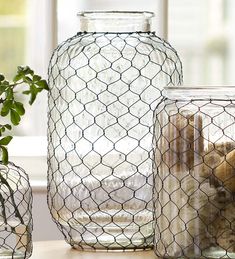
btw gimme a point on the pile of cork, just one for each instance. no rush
(196, 188)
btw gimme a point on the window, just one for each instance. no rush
(27, 39)
(12, 22)
(202, 32)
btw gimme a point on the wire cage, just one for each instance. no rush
(15, 213)
(104, 88)
(194, 178)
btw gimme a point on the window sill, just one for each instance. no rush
(36, 168)
(30, 154)
(61, 250)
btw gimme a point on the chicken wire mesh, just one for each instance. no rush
(15, 213)
(104, 88)
(194, 179)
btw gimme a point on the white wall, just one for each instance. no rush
(43, 226)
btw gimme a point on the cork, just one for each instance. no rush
(224, 227)
(182, 141)
(213, 156)
(222, 148)
(225, 172)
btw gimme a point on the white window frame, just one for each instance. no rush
(163, 19)
(22, 149)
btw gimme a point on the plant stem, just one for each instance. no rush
(15, 84)
(2, 201)
(17, 213)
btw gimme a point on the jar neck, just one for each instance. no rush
(115, 21)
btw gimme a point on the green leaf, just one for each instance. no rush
(19, 107)
(10, 93)
(18, 77)
(2, 77)
(20, 69)
(28, 80)
(39, 89)
(4, 113)
(43, 84)
(32, 97)
(5, 141)
(6, 107)
(8, 126)
(33, 92)
(25, 70)
(7, 104)
(26, 92)
(15, 117)
(2, 88)
(28, 70)
(4, 155)
(5, 84)
(36, 78)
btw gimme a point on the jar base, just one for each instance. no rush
(111, 239)
(9, 254)
(210, 253)
(217, 252)
(85, 247)
(113, 230)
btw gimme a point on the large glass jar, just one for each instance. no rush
(104, 86)
(15, 213)
(194, 179)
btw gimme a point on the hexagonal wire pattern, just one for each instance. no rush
(194, 179)
(104, 88)
(15, 213)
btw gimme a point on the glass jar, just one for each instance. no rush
(194, 178)
(104, 86)
(15, 213)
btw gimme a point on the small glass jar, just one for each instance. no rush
(194, 178)
(15, 213)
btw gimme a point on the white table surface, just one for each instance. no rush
(61, 250)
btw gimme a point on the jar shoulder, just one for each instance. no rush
(94, 52)
(143, 43)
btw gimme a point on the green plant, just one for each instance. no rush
(11, 107)
(25, 82)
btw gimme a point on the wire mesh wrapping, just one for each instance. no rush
(194, 177)
(104, 88)
(15, 213)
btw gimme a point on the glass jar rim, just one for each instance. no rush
(200, 92)
(199, 87)
(126, 14)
